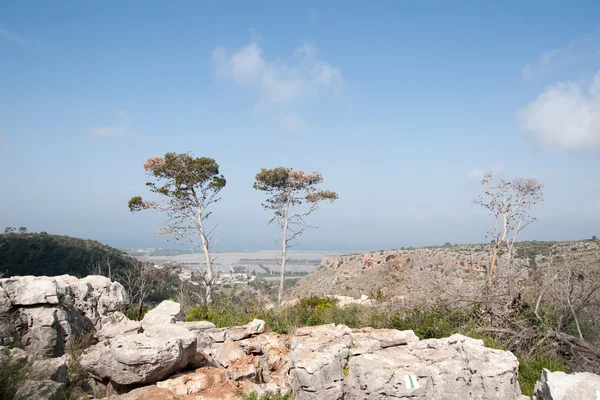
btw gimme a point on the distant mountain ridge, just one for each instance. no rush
(43, 254)
(449, 272)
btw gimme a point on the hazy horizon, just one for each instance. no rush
(401, 107)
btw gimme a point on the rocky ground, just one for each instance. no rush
(162, 357)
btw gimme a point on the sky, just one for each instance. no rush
(402, 106)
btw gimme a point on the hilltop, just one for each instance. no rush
(450, 272)
(44, 254)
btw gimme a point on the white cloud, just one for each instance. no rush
(279, 84)
(478, 174)
(577, 50)
(565, 116)
(14, 37)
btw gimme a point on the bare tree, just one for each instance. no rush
(190, 185)
(510, 203)
(141, 280)
(288, 190)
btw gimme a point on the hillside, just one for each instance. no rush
(451, 272)
(44, 254)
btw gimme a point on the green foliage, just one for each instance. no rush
(132, 312)
(184, 179)
(267, 396)
(12, 372)
(530, 370)
(431, 323)
(42, 254)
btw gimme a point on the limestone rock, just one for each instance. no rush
(368, 340)
(5, 304)
(30, 290)
(167, 312)
(146, 393)
(117, 324)
(196, 382)
(560, 386)
(196, 326)
(318, 356)
(38, 390)
(54, 369)
(457, 367)
(144, 358)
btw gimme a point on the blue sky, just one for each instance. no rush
(399, 105)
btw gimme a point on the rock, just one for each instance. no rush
(318, 356)
(5, 304)
(38, 390)
(117, 324)
(368, 340)
(30, 290)
(144, 358)
(46, 312)
(54, 369)
(196, 382)
(196, 326)
(146, 393)
(167, 312)
(228, 352)
(457, 367)
(560, 386)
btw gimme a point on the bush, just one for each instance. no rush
(530, 370)
(255, 396)
(12, 373)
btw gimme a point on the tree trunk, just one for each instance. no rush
(283, 254)
(490, 282)
(208, 280)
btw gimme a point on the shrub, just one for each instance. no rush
(12, 372)
(530, 370)
(269, 396)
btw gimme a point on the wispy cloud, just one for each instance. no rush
(13, 37)
(565, 116)
(112, 131)
(584, 48)
(279, 84)
(478, 174)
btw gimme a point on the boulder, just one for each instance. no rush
(167, 312)
(146, 393)
(318, 356)
(560, 386)
(38, 390)
(46, 312)
(143, 358)
(117, 324)
(457, 367)
(196, 326)
(5, 304)
(54, 369)
(30, 290)
(368, 340)
(202, 380)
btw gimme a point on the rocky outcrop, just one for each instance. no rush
(457, 367)
(44, 313)
(39, 390)
(142, 358)
(167, 312)
(561, 386)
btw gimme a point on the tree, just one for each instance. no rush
(594, 238)
(141, 280)
(292, 195)
(188, 186)
(510, 203)
(22, 230)
(10, 229)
